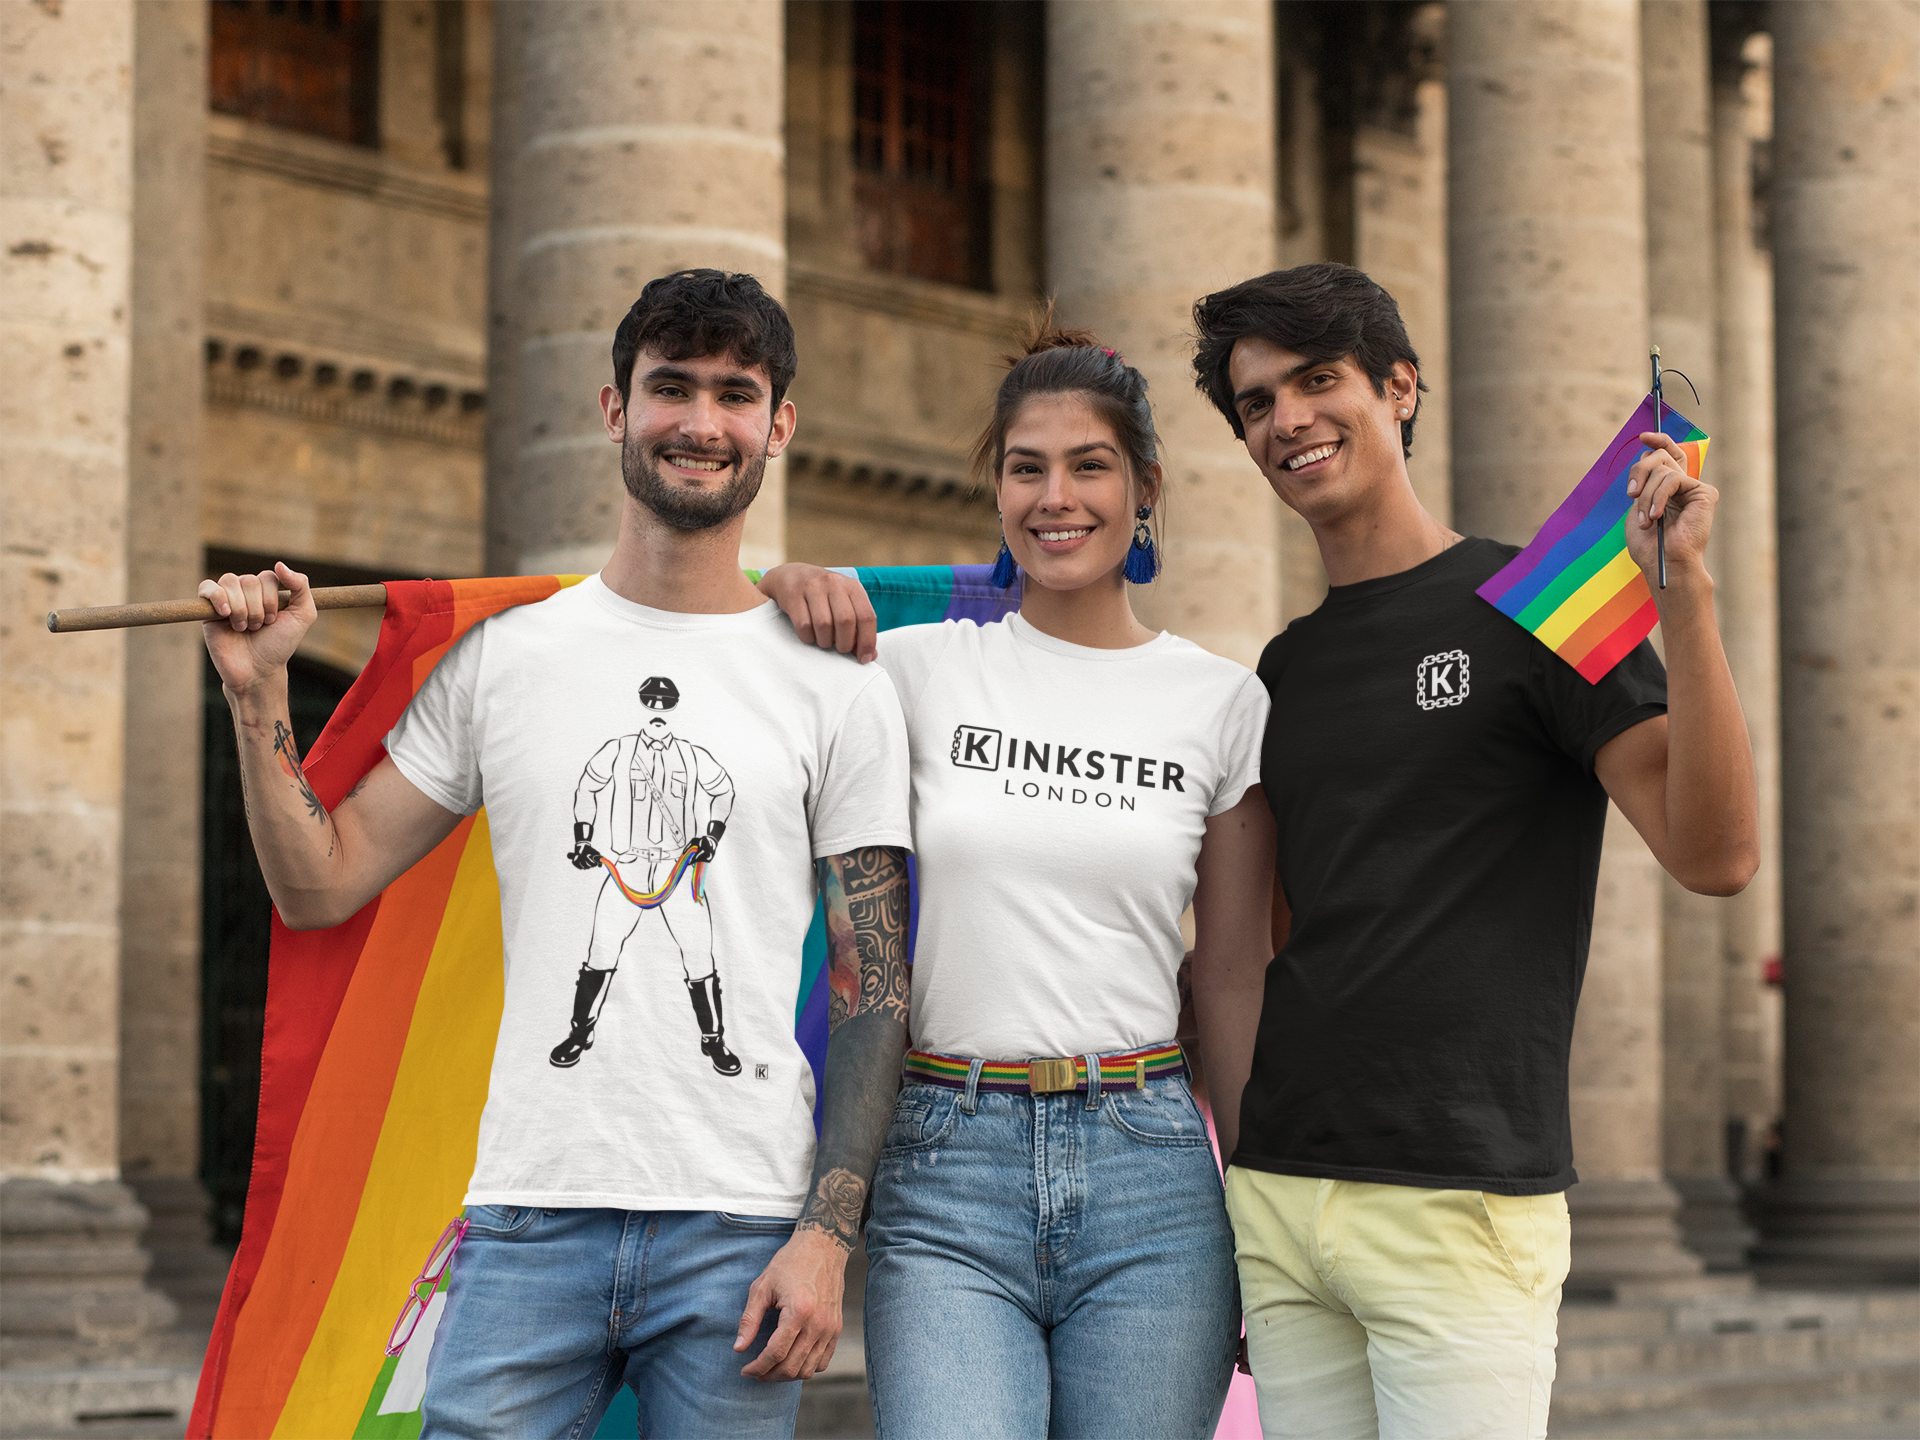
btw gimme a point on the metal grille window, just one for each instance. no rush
(307, 65)
(914, 190)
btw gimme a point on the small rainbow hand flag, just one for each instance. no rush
(1575, 586)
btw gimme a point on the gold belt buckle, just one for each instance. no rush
(1049, 1077)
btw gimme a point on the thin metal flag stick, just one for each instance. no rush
(174, 612)
(1659, 423)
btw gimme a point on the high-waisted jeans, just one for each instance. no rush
(1037, 1268)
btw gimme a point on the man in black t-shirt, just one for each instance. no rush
(1401, 1142)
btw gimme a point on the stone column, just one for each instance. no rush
(1159, 109)
(1846, 232)
(1548, 279)
(1681, 299)
(1400, 239)
(160, 838)
(634, 139)
(68, 1228)
(504, 537)
(1300, 206)
(1742, 460)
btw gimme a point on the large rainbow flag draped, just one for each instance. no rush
(378, 1043)
(1575, 586)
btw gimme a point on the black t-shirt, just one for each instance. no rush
(1430, 765)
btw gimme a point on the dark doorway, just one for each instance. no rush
(235, 913)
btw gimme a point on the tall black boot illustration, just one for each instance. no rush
(589, 994)
(713, 1023)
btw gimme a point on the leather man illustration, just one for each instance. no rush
(646, 795)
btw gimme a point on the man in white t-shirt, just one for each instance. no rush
(648, 819)
(624, 1210)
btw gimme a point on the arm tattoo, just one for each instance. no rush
(289, 753)
(835, 1205)
(843, 963)
(866, 895)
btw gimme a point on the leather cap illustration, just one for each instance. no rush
(659, 693)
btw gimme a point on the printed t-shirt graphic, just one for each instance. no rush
(662, 806)
(1430, 765)
(792, 753)
(1060, 794)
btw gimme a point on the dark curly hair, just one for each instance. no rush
(1320, 312)
(692, 313)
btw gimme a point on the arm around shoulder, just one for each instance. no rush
(827, 608)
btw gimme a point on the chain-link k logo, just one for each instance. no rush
(977, 748)
(1442, 680)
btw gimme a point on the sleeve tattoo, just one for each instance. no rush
(866, 895)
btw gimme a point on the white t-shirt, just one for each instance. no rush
(1060, 795)
(537, 713)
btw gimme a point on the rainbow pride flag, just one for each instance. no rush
(1575, 586)
(378, 1044)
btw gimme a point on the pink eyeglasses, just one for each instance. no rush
(421, 1291)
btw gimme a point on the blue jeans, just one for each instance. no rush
(1036, 1268)
(549, 1312)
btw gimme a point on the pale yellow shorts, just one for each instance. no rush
(1389, 1312)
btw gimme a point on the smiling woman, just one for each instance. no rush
(1078, 781)
(1075, 466)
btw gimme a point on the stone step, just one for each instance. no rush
(96, 1399)
(135, 1429)
(1584, 1320)
(1860, 1418)
(1686, 1354)
(1761, 1310)
(1734, 1391)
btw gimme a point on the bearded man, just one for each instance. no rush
(619, 1211)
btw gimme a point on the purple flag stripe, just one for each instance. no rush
(1574, 508)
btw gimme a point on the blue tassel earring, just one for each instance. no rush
(1004, 573)
(1143, 560)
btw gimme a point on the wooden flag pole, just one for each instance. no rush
(175, 612)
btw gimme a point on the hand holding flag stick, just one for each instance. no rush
(1578, 586)
(1688, 464)
(175, 612)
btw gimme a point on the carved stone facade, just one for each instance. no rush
(360, 328)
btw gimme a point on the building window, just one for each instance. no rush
(301, 64)
(917, 206)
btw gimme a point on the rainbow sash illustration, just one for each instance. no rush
(652, 899)
(378, 1044)
(1575, 586)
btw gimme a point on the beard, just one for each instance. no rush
(682, 506)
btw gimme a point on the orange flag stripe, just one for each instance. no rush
(349, 1096)
(1604, 621)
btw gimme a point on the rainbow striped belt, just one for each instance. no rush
(1130, 1071)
